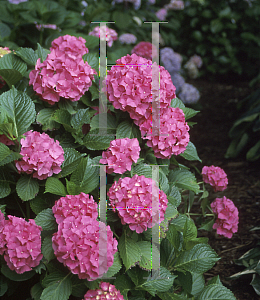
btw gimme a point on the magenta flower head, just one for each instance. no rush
(120, 155)
(146, 50)
(106, 291)
(216, 177)
(42, 156)
(84, 245)
(23, 244)
(129, 87)
(77, 205)
(137, 203)
(173, 135)
(227, 216)
(108, 34)
(2, 237)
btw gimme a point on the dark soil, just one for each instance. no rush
(210, 136)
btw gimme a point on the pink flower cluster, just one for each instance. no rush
(63, 73)
(105, 33)
(120, 155)
(42, 26)
(216, 177)
(227, 216)
(106, 291)
(173, 136)
(137, 203)
(161, 14)
(146, 50)
(75, 205)
(20, 242)
(5, 140)
(42, 156)
(85, 245)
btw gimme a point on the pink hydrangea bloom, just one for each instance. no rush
(77, 205)
(173, 135)
(146, 50)
(4, 51)
(85, 246)
(5, 140)
(110, 34)
(216, 177)
(23, 244)
(106, 291)
(129, 86)
(69, 45)
(42, 156)
(161, 14)
(227, 216)
(42, 26)
(136, 202)
(120, 155)
(2, 237)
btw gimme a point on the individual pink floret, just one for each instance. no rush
(139, 202)
(75, 205)
(129, 86)
(108, 34)
(5, 140)
(120, 155)
(42, 156)
(227, 216)
(106, 291)
(23, 244)
(216, 177)
(146, 50)
(85, 246)
(2, 237)
(172, 137)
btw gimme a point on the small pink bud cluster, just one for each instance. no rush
(106, 291)
(5, 140)
(120, 155)
(227, 216)
(20, 243)
(216, 177)
(146, 50)
(83, 244)
(139, 202)
(63, 73)
(42, 156)
(105, 33)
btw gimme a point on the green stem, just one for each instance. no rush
(207, 215)
(21, 209)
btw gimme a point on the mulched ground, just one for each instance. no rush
(210, 136)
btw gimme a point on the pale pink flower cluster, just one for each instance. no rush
(63, 73)
(175, 5)
(105, 33)
(49, 26)
(139, 202)
(127, 38)
(193, 65)
(106, 291)
(20, 243)
(5, 140)
(173, 136)
(146, 50)
(120, 155)
(85, 245)
(75, 205)
(42, 156)
(216, 177)
(227, 216)
(161, 14)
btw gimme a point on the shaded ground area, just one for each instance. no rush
(210, 136)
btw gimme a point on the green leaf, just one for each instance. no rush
(189, 112)
(5, 189)
(11, 76)
(4, 152)
(207, 225)
(143, 169)
(190, 153)
(92, 59)
(78, 287)
(254, 153)
(198, 283)
(129, 251)
(256, 283)
(216, 292)
(137, 275)
(11, 61)
(19, 108)
(54, 186)
(163, 182)
(177, 103)
(27, 187)
(127, 129)
(47, 249)
(61, 290)
(199, 259)
(214, 280)
(171, 296)
(36, 291)
(147, 254)
(41, 52)
(11, 157)
(15, 276)
(117, 265)
(160, 281)
(63, 117)
(122, 19)
(38, 204)
(123, 284)
(92, 42)
(45, 118)
(174, 196)
(80, 118)
(184, 179)
(28, 55)
(97, 142)
(111, 123)
(52, 278)
(72, 159)
(190, 230)
(46, 220)
(94, 91)
(5, 31)
(3, 285)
